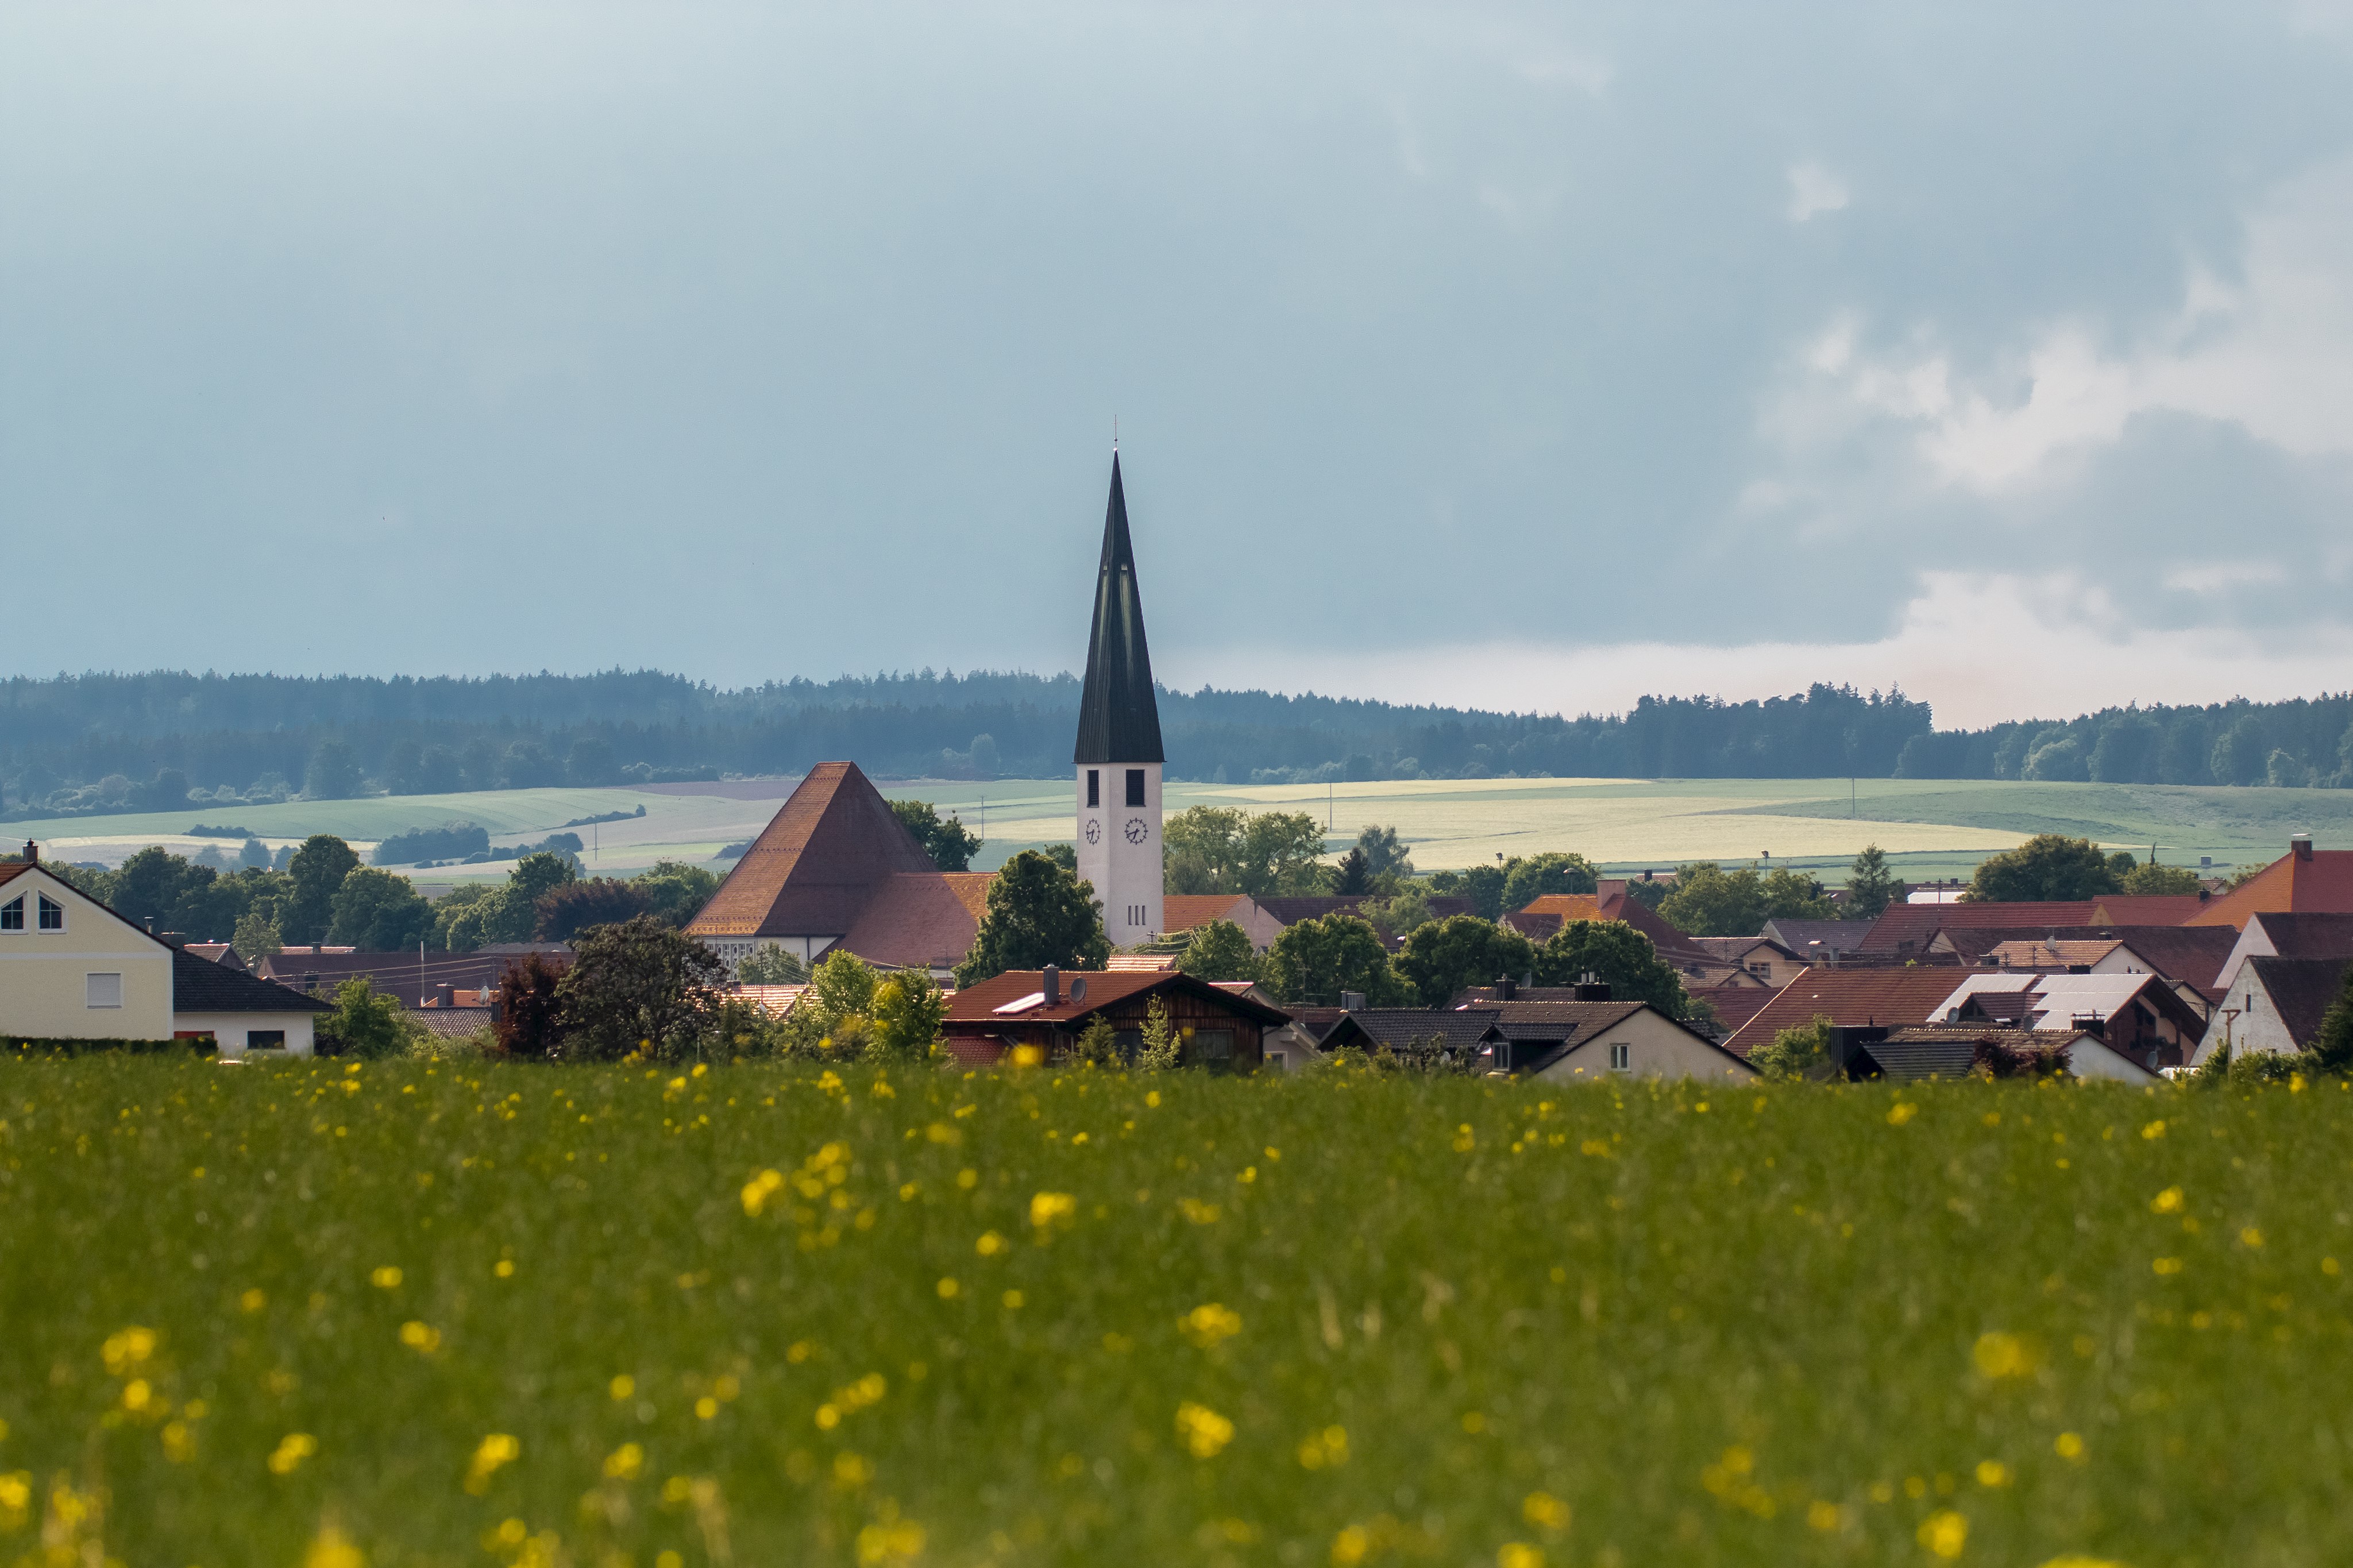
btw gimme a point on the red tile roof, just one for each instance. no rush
(2319, 883)
(1918, 923)
(1891, 997)
(914, 920)
(2148, 908)
(1734, 1004)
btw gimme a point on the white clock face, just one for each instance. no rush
(1137, 832)
(1094, 831)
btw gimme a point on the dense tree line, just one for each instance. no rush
(160, 741)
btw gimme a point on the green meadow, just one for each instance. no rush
(327, 1315)
(1929, 827)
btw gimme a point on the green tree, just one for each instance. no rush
(841, 987)
(1037, 914)
(528, 1022)
(318, 869)
(377, 911)
(590, 762)
(1161, 1050)
(1792, 1054)
(1553, 872)
(2154, 878)
(1870, 887)
(2127, 749)
(675, 892)
(1353, 876)
(1399, 916)
(365, 1024)
(1220, 950)
(1708, 901)
(1649, 892)
(465, 915)
(1066, 855)
(1386, 856)
(948, 841)
(2240, 752)
(255, 935)
(2048, 868)
(1222, 849)
(334, 773)
(1618, 955)
(1482, 885)
(1314, 961)
(1446, 956)
(563, 912)
(1097, 1044)
(907, 1010)
(638, 987)
(772, 966)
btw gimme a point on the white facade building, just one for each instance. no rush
(1118, 755)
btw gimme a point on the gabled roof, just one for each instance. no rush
(2046, 1001)
(1798, 936)
(1734, 1004)
(1106, 988)
(2314, 882)
(397, 974)
(2193, 954)
(2043, 953)
(915, 920)
(815, 867)
(2307, 936)
(1119, 715)
(1566, 1022)
(2301, 989)
(1917, 923)
(1399, 1028)
(201, 986)
(1892, 996)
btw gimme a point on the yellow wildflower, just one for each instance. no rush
(1544, 1510)
(497, 1449)
(622, 1386)
(1208, 1323)
(989, 1245)
(1045, 1208)
(292, 1450)
(1519, 1555)
(130, 1348)
(1993, 1473)
(2068, 1445)
(1943, 1533)
(1902, 1111)
(2166, 1202)
(900, 1541)
(385, 1279)
(2003, 1355)
(421, 1338)
(1205, 1431)
(333, 1550)
(625, 1463)
(1348, 1547)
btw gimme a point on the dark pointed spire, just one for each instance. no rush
(1119, 717)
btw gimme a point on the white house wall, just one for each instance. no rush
(44, 975)
(1657, 1047)
(229, 1030)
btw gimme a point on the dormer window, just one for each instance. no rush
(53, 913)
(12, 914)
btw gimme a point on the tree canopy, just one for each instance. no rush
(1870, 887)
(2047, 868)
(1224, 849)
(638, 987)
(1618, 955)
(378, 912)
(1221, 949)
(1037, 914)
(1708, 901)
(1555, 871)
(1446, 956)
(1314, 961)
(946, 840)
(318, 869)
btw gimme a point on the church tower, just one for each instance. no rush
(1118, 753)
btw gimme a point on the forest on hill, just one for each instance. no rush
(101, 743)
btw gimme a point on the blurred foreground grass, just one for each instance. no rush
(314, 1314)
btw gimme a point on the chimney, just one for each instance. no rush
(1507, 988)
(174, 939)
(445, 995)
(2300, 845)
(1591, 988)
(310, 986)
(1050, 982)
(32, 853)
(1352, 1001)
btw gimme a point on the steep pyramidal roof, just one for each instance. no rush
(819, 865)
(1119, 719)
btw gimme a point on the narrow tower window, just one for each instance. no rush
(1094, 786)
(1136, 786)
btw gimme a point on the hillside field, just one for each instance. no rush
(1931, 827)
(394, 1314)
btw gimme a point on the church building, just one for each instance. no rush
(1118, 752)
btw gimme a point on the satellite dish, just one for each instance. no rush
(1078, 991)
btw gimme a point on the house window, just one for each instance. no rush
(53, 914)
(1094, 786)
(102, 990)
(1621, 1059)
(1212, 1047)
(1136, 786)
(265, 1040)
(1502, 1056)
(12, 914)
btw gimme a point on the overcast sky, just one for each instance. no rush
(1507, 356)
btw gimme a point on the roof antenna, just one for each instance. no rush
(1114, 432)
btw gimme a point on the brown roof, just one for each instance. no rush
(1183, 911)
(2043, 953)
(2317, 883)
(1141, 962)
(1315, 906)
(2147, 908)
(396, 974)
(1917, 923)
(1734, 1004)
(1106, 988)
(2190, 953)
(1893, 996)
(2302, 989)
(831, 846)
(453, 1023)
(914, 920)
(2307, 936)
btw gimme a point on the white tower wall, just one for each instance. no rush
(1119, 849)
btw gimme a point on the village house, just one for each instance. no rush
(2138, 1017)
(2304, 881)
(1038, 1015)
(1592, 1037)
(2275, 1005)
